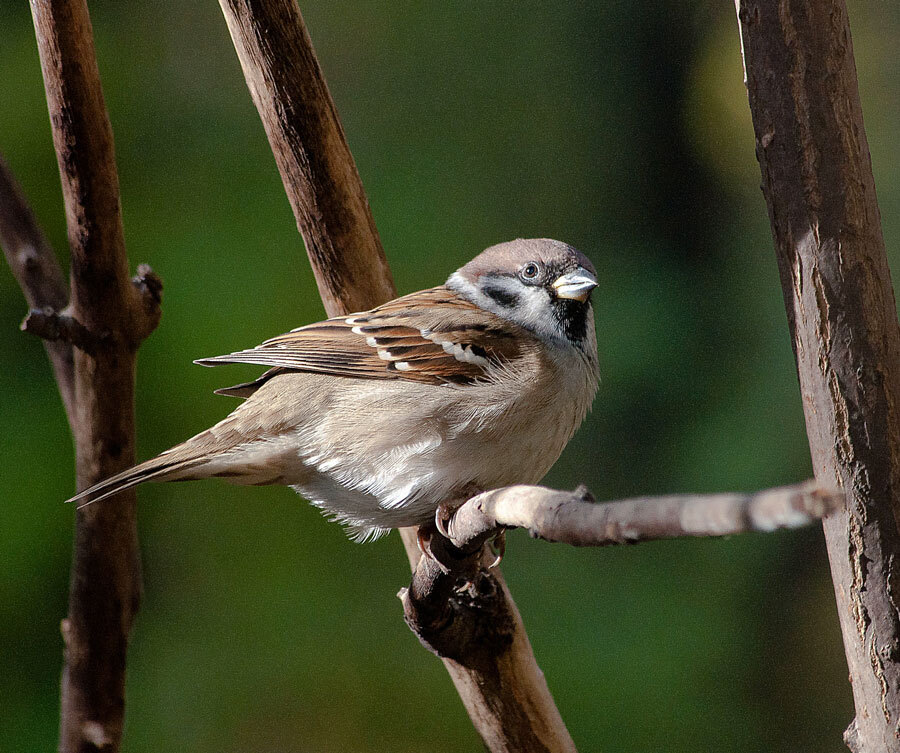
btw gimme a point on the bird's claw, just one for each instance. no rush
(440, 524)
(442, 517)
(498, 547)
(422, 541)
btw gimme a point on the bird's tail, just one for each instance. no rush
(186, 461)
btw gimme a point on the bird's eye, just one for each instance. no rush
(530, 271)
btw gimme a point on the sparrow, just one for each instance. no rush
(380, 418)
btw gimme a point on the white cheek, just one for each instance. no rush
(533, 310)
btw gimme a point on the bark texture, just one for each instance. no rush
(501, 686)
(818, 185)
(114, 314)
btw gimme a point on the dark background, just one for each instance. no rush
(620, 127)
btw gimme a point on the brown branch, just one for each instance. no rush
(503, 689)
(315, 163)
(36, 269)
(105, 581)
(50, 325)
(486, 650)
(818, 185)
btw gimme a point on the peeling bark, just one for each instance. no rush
(818, 185)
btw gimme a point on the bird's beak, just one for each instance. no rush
(576, 285)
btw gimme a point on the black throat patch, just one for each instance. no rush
(572, 317)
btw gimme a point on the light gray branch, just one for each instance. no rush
(574, 518)
(457, 581)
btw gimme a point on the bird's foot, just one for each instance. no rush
(435, 545)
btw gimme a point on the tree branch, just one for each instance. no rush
(105, 583)
(50, 325)
(36, 269)
(454, 579)
(575, 518)
(503, 690)
(307, 139)
(818, 185)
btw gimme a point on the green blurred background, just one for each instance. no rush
(620, 127)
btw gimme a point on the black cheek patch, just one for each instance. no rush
(501, 296)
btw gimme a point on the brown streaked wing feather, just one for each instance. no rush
(432, 336)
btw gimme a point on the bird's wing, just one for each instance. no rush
(433, 336)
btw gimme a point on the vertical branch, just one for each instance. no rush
(503, 690)
(818, 185)
(105, 580)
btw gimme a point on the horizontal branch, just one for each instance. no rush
(55, 327)
(574, 518)
(453, 604)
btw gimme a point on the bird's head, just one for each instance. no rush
(540, 284)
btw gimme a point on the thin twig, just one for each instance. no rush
(454, 580)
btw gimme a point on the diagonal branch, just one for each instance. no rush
(307, 139)
(503, 689)
(38, 273)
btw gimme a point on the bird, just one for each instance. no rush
(384, 417)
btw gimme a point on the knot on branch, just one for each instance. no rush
(456, 606)
(148, 286)
(851, 737)
(51, 325)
